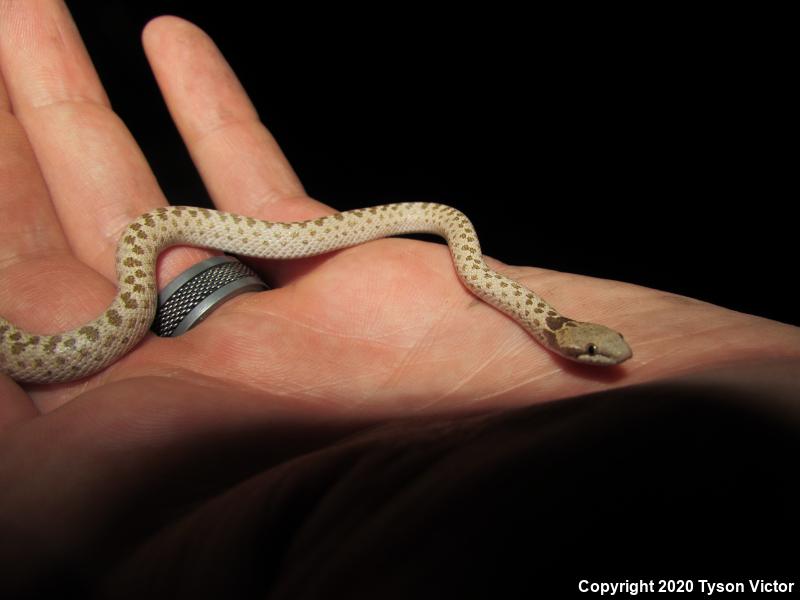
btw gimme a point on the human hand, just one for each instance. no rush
(381, 330)
(357, 316)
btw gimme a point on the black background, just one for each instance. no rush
(636, 146)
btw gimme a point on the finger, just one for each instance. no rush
(29, 227)
(36, 263)
(240, 162)
(24, 233)
(97, 177)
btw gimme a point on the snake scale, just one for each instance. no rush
(35, 358)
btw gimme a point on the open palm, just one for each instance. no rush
(383, 328)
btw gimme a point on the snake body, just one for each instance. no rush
(30, 357)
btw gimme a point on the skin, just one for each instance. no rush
(112, 430)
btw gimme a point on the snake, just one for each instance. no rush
(85, 350)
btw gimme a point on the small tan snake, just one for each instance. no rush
(34, 358)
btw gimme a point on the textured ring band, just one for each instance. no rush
(198, 291)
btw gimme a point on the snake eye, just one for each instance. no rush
(591, 349)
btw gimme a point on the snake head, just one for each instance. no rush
(591, 344)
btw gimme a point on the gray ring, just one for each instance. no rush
(198, 291)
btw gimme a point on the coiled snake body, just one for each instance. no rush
(29, 357)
